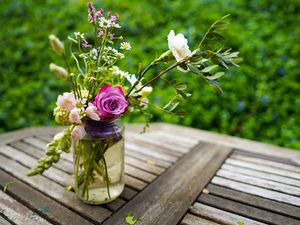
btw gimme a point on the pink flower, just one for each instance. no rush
(66, 101)
(74, 116)
(78, 133)
(91, 111)
(110, 102)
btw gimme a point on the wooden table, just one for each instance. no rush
(174, 175)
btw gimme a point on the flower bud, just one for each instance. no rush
(59, 71)
(56, 44)
(165, 57)
(146, 91)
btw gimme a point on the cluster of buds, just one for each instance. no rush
(60, 143)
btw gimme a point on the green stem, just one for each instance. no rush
(106, 175)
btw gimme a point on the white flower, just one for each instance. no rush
(66, 101)
(104, 23)
(146, 91)
(115, 70)
(94, 53)
(74, 116)
(91, 111)
(78, 133)
(131, 78)
(125, 46)
(179, 47)
(78, 34)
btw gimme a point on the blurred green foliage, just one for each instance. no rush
(261, 98)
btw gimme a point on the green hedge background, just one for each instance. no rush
(261, 98)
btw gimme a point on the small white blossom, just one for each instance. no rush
(94, 53)
(78, 133)
(126, 46)
(66, 101)
(104, 23)
(78, 34)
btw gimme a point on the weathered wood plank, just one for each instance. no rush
(181, 140)
(44, 205)
(154, 169)
(255, 201)
(254, 213)
(292, 190)
(263, 168)
(46, 138)
(225, 140)
(190, 219)
(115, 204)
(220, 216)
(134, 183)
(263, 175)
(153, 140)
(250, 189)
(150, 152)
(54, 190)
(140, 174)
(54, 174)
(18, 213)
(42, 146)
(4, 221)
(62, 164)
(147, 158)
(128, 193)
(264, 162)
(176, 189)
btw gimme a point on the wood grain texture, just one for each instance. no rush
(256, 191)
(248, 199)
(264, 162)
(18, 213)
(4, 221)
(267, 184)
(263, 168)
(220, 216)
(140, 174)
(43, 205)
(225, 140)
(237, 208)
(147, 158)
(147, 166)
(190, 219)
(54, 191)
(176, 189)
(263, 175)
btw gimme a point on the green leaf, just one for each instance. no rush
(69, 188)
(6, 185)
(131, 220)
(215, 86)
(209, 68)
(215, 76)
(181, 86)
(240, 223)
(193, 69)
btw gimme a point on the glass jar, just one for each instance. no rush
(99, 162)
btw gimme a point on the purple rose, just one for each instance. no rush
(110, 102)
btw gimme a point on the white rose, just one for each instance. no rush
(78, 133)
(178, 45)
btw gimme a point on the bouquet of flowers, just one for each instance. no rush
(102, 92)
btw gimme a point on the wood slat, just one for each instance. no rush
(190, 219)
(147, 158)
(154, 140)
(150, 152)
(18, 213)
(154, 169)
(263, 175)
(256, 160)
(183, 141)
(42, 204)
(54, 174)
(220, 216)
(140, 174)
(54, 190)
(4, 221)
(264, 216)
(255, 201)
(134, 183)
(263, 168)
(128, 193)
(257, 191)
(271, 185)
(42, 146)
(176, 189)
(62, 164)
